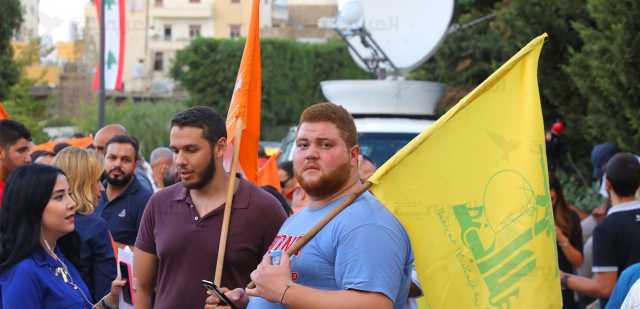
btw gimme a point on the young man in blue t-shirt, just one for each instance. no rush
(361, 259)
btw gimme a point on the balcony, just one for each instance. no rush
(183, 10)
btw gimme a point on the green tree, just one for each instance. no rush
(606, 71)
(291, 75)
(21, 105)
(149, 122)
(10, 20)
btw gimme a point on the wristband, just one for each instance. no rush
(284, 293)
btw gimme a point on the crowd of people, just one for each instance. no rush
(64, 215)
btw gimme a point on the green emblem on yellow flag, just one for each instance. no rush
(472, 192)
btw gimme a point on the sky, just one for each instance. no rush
(56, 17)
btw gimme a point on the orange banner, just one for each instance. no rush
(268, 174)
(3, 112)
(245, 102)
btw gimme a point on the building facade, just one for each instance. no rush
(31, 20)
(157, 29)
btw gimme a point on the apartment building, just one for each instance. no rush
(31, 19)
(157, 29)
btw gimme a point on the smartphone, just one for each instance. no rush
(127, 290)
(212, 287)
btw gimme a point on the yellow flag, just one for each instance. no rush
(472, 192)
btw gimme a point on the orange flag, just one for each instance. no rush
(268, 174)
(245, 102)
(3, 113)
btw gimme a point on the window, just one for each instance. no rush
(194, 31)
(159, 3)
(234, 31)
(167, 32)
(158, 61)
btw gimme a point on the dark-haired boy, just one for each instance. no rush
(615, 240)
(15, 149)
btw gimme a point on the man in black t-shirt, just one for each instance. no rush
(615, 239)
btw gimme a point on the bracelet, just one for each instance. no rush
(284, 293)
(104, 305)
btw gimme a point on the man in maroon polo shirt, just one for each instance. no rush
(15, 149)
(178, 239)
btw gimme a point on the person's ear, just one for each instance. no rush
(220, 147)
(354, 154)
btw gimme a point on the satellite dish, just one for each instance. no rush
(403, 35)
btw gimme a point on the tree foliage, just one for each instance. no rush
(20, 104)
(291, 76)
(149, 122)
(606, 71)
(10, 20)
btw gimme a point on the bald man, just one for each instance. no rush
(105, 134)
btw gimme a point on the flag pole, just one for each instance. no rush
(222, 245)
(297, 245)
(101, 91)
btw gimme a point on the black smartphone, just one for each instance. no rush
(125, 274)
(212, 287)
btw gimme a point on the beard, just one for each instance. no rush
(119, 181)
(204, 176)
(328, 184)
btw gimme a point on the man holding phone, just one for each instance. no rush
(360, 259)
(178, 239)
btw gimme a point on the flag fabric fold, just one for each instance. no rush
(245, 102)
(268, 173)
(472, 192)
(114, 41)
(3, 112)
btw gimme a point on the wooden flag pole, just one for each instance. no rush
(327, 218)
(222, 245)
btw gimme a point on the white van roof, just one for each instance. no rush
(391, 125)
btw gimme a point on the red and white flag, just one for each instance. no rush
(113, 44)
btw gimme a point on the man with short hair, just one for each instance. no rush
(15, 149)
(162, 168)
(360, 259)
(123, 201)
(100, 142)
(181, 227)
(615, 240)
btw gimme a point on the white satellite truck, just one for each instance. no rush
(388, 39)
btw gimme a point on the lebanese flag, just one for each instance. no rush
(245, 102)
(113, 44)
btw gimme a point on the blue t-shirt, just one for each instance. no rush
(33, 284)
(123, 213)
(364, 248)
(623, 285)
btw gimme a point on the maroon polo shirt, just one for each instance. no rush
(187, 245)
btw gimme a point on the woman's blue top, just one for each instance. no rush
(37, 282)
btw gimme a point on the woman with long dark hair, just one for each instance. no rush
(38, 245)
(568, 236)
